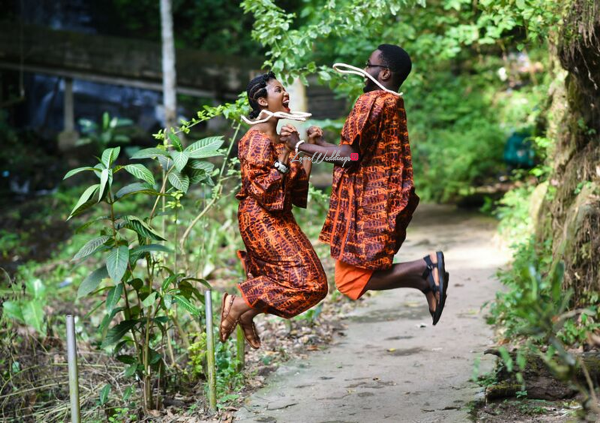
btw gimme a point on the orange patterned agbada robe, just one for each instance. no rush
(372, 200)
(288, 276)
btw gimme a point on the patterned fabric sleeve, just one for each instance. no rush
(300, 189)
(363, 124)
(265, 183)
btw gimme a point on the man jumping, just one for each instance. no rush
(373, 196)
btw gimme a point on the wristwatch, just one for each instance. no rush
(281, 167)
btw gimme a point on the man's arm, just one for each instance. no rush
(321, 150)
(331, 153)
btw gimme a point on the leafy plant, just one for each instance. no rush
(534, 312)
(109, 131)
(146, 297)
(26, 303)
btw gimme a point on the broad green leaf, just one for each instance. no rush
(33, 314)
(179, 181)
(105, 120)
(90, 284)
(86, 225)
(206, 154)
(325, 76)
(155, 356)
(197, 176)
(189, 291)
(83, 208)
(187, 305)
(85, 197)
(150, 300)
(104, 392)
(142, 228)
(180, 158)
(206, 147)
(76, 171)
(113, 297)
(202, 281)
(169, 281)
(103, 181)
(35, 288)
(142, 249)
(127, 359)
(175, 141)
(12, 310)
(136, 188)
(149, 153)
(107, 319)
(201, 165)
(130, 370)
(141, 172)
(110, 155)
(165, 162)
(90, 247)
(117, 332)
(117, 261)
(136, 283)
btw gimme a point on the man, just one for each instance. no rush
(373, 196)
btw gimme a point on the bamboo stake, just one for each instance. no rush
(210, 354)
(240, 348)
(73, 373)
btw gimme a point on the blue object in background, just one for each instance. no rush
(518, 152)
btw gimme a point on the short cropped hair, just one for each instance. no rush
(398, 61)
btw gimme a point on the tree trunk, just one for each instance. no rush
(572, 211)
(168, 64)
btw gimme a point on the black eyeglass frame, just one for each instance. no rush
(369, 65)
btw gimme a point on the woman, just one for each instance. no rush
(284, 274)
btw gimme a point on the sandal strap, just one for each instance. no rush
(428, 275)
(429, 268)
(252, 327)
(230, 299)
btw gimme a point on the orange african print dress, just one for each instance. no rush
(288, 276)
(373, 199)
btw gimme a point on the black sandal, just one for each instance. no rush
(442, 288)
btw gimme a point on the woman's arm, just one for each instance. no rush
(262, 180)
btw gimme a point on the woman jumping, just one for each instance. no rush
(284, 275)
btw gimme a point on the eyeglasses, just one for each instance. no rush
(369, 65)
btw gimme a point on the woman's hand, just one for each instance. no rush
(314, 134)
(290, 136)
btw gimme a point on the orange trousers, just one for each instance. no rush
(351, 280)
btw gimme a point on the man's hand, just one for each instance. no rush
(315, 134)
(289, 135)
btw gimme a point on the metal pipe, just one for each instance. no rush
(210, 354)
(240, 348)
(73, 372)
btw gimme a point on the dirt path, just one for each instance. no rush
(392, 365)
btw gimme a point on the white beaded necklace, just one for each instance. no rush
(298, 116)
(361, 72)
